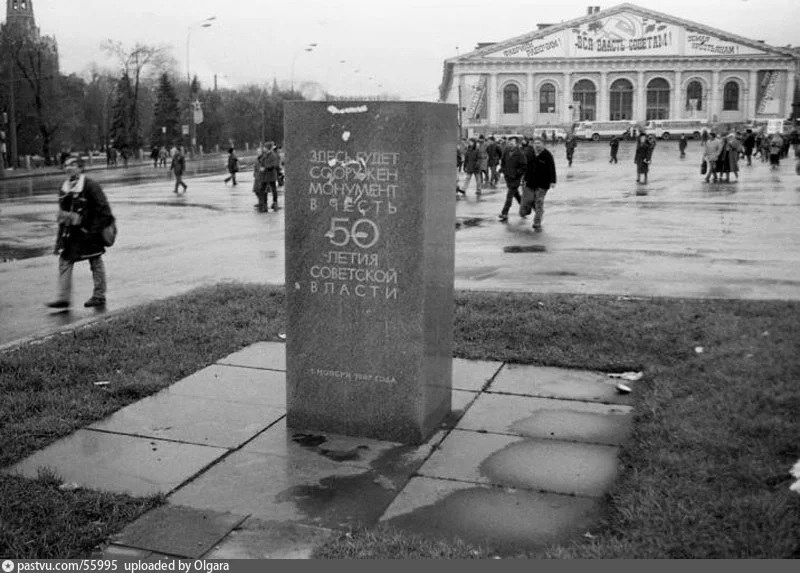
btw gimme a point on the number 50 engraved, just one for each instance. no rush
(363, 233)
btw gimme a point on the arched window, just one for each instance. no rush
(585, 95)
(511, 99)
(658, 99)
(547, 98)
(730, 96)
(694, 96)
(621, 100)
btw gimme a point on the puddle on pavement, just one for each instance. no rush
(525, 249)
(465, 222)
(315, 442)
(181, 204)
(337, 501)
(11, 253)
(506, 521)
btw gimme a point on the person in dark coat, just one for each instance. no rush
(682, 143)
(272, 164)
(644, 153)
(570, 143)
(614, 144)
(513, 166)
(83, 214)
(540, 177)
(178, 167)
(233, 166)
(495, 156)
(749, 144)
(472, 166)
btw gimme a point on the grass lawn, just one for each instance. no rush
(706, 473)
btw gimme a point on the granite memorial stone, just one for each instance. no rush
(370, 241)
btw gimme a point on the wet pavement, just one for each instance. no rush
(677, 237)
(523, 460)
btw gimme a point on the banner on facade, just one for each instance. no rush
(624, 34)
(476, 93)
(771, 87)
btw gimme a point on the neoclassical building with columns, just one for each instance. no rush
(622, 63)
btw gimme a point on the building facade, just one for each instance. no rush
(623, 63)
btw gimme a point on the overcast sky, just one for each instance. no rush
(363, 46)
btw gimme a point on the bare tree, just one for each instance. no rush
(134, 63)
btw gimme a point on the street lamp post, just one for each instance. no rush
(307, 48)
(207, 23)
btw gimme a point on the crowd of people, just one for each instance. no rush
(525, 163)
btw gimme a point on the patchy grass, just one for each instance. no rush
(706, 473)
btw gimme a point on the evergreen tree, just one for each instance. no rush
(121, 129)
(167, 115)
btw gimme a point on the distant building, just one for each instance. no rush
(625, 62)
(24, 47)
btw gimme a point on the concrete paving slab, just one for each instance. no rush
(259, 539)
(178, 531)
(504, 519)
(548, 465)
(277, 488)
(266, 355)
(473, 375)
(235, 384)
(548, 418)
(118, 463)
(568, 384)
(191, 420)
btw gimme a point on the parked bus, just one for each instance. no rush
(595, 130)
(674, 128)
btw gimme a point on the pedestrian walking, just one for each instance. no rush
(682, 143)
(513, 165)
(233, 166)
(162, 156)
(728, 160)
(540, 177)
(710, 156)
(178, 167)
(642, 157)
(775, 150)
(83, 215)
(614, 144)
(749, 144)
(495, 155)
(272, 163)
(570, 144)
(154, 156)
(259, 180)
(472, 167)
(483, 155)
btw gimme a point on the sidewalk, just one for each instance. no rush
(523, 461)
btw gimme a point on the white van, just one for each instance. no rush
(595, 130)
(674, 128)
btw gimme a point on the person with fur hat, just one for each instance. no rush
(83, 214)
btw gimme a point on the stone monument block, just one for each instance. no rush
(370, 249)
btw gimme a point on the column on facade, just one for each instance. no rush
(713, 97)
(789, 99)
(492, 109)
(566, 114)
(530, 101)
(603, 112)
(640, 112)
(752, 95)
(677, 97)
